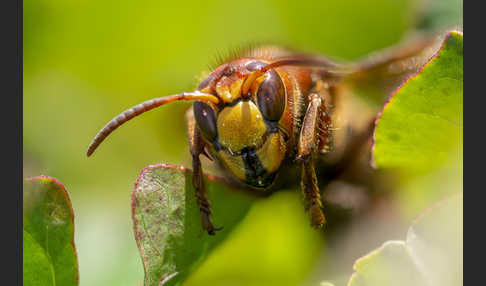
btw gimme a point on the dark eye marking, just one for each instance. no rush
(271, 96)
(206, 120)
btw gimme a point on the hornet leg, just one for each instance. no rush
(307, 147)
(196, 145)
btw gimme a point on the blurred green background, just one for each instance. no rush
(85, 61)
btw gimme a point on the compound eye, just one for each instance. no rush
(206, 120)
(271, 96)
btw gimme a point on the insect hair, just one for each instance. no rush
(256, 49)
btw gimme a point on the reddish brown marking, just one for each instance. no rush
(210, 82)
(301, 61)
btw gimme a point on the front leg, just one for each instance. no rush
(196, 145)
(307, 147)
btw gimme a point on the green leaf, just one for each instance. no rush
(277, 231)
(49, 253)
(167, 222)
(431, 255)
(422, 123)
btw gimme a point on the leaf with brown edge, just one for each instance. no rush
(167, 222)
(421, 125)
(49, 253)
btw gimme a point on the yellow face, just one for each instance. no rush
(241, 126)
(242, 132)
(248, 150)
